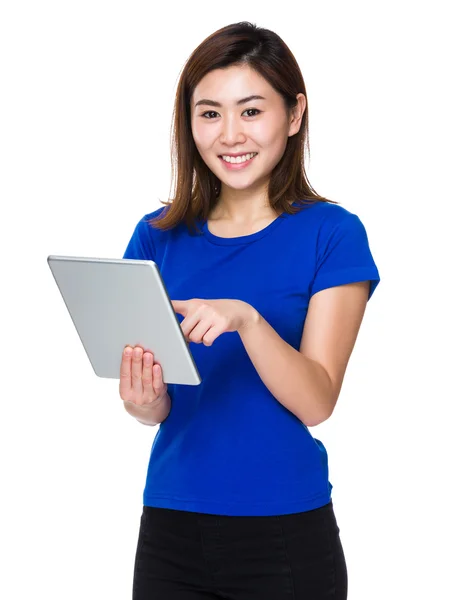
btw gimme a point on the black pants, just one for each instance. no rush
(192, 556)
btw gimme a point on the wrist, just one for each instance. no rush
(147, 407)
(251, 320)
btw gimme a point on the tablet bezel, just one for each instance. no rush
(83, 281)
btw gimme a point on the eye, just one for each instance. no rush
(253, 109)
(208, 112)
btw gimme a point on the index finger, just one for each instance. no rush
(125, 380)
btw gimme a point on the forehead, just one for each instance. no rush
(230, 84)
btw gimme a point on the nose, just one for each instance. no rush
(232, 131)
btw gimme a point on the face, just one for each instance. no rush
(223, 124)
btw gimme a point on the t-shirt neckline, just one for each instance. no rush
(242, 239)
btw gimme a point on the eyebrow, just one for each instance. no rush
(242, 101)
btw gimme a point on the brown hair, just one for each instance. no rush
(196, 186)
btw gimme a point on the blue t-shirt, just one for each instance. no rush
(228, 446)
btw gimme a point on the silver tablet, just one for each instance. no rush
(117, 302)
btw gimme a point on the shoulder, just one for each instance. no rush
(147, 227)
(325, 216)
(145, 221)
(332, 228)
(154, 214)
(326, 210)
(146, 239)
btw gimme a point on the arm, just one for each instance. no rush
(308, 382)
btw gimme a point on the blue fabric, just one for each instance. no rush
(228, 446)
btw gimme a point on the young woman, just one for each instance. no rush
(271, 281)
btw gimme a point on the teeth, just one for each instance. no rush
(238, 159)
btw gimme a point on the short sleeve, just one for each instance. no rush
(344, 256)
(141, 246)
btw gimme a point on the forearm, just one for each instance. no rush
(150, 414)
(299, 383)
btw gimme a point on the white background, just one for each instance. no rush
(87, 92)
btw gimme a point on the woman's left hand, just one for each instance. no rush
(205, 320)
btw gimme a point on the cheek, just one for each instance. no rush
(268, 136)
(203, 136)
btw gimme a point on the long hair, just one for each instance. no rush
(196, 186)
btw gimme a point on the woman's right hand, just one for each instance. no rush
(141, 381)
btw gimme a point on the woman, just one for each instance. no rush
(271, 281)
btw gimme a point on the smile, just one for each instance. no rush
(238, 165)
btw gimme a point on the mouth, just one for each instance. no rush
(249, 157)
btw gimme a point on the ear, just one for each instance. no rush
(297, 115)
